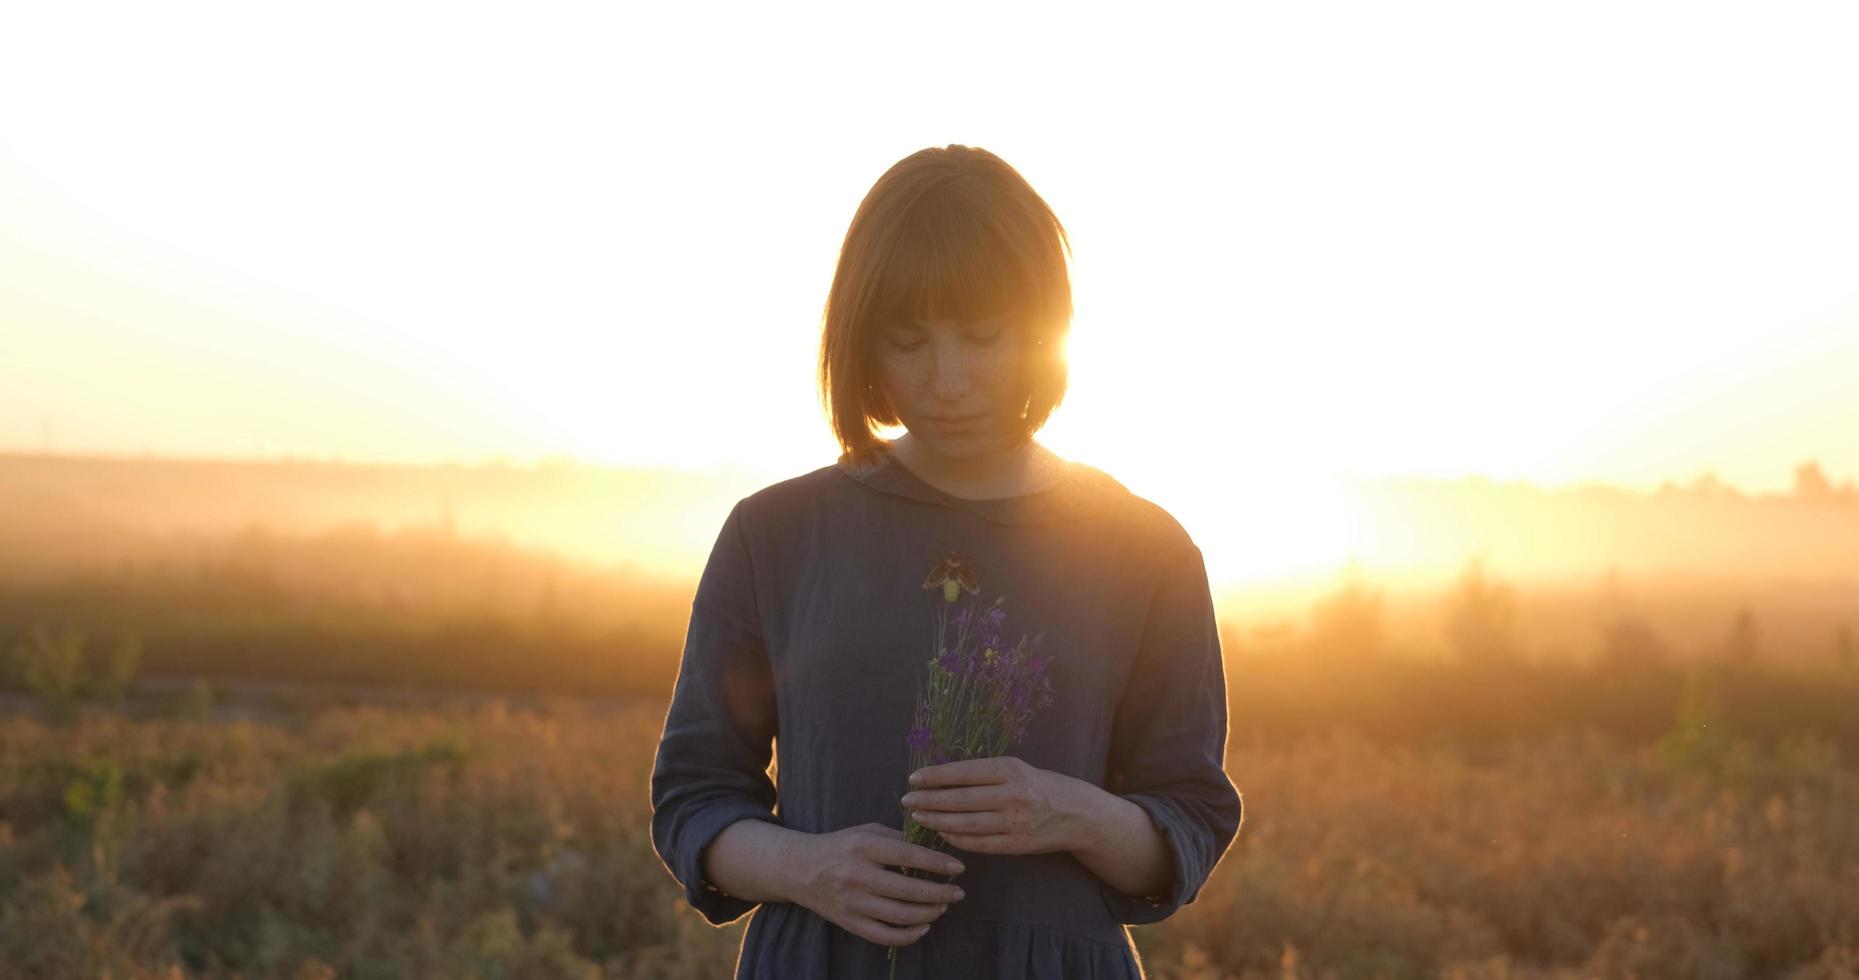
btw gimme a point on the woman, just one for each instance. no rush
(947, 315)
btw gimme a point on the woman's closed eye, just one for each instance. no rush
(978, 339)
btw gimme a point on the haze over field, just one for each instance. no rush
(663, 521)
(1684, 559)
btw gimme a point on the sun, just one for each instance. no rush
(1255, 517)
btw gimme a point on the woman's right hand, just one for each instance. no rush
(845, 881)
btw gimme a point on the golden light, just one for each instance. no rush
(1622, 274)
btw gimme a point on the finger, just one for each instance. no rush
(962, 772)
(887, 831)
(903, 887)
(883, 933)
(920, 857)
(983, 822)
(898, 913)
(987, 797)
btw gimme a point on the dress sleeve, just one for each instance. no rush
(711, 769)
(1168, 743)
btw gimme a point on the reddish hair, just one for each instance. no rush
(945, 232)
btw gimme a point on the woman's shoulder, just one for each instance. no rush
(1147, 523)
(782, 500)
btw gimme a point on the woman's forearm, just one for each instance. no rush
(1120, 844)
(1115, 839)
(756, 860)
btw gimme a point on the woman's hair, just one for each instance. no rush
(946, 232)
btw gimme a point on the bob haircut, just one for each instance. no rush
(947, 232)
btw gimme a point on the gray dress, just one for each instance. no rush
(810, 628)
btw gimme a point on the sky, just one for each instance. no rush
(1570, 243)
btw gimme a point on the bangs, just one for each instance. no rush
(950, 262)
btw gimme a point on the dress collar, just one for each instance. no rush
(1081, 491)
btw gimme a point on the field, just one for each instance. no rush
(489, 838)
(267, 754)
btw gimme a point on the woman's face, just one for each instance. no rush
(958, 386)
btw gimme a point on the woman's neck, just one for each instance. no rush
(1029, 468)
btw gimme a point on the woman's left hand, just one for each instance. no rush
(1000, 805)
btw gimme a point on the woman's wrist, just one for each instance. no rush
(1115, 839)
(793, 866)
(758, 861)
(1085, 806)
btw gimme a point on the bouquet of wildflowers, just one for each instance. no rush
(977, 694)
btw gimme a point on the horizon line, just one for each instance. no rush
(1706, 481)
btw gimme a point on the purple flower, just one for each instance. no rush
(983, 688)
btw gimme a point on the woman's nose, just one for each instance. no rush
(950, 371)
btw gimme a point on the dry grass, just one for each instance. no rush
(488, 842)
(1569, 858)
